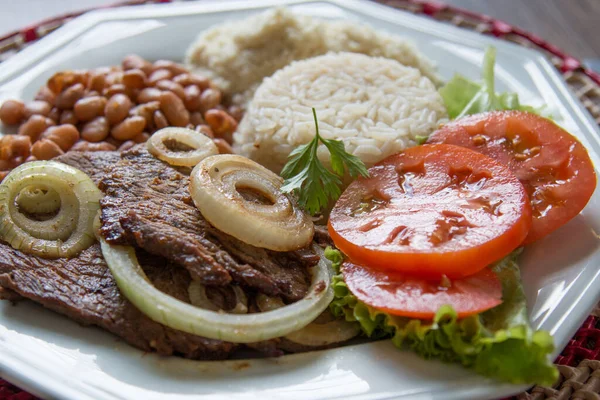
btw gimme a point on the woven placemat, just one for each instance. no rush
(579, 362)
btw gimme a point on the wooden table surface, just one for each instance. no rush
(573, 25)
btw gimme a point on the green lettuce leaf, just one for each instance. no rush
(463, 96)
(498, 343)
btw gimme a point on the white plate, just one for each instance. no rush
(56, 358)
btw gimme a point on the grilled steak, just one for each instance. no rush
(83, 289)
(147, 204)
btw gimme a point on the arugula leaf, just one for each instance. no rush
(463, 96)
(310, 180)
(498, 343)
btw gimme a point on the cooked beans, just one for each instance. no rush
(82, 145)
(117, 108)
(68, 117)
(174, 109)
(67, 99)
(65, 136)
(134, 79)
(14, 146)
(96, 130)
(160, 121)
(191, 97)
(129, 128)
(149, 94)
(37, 107)
(209, 99)
(171, 86)
(89, 108)
(221, 123)
(223, 146)
(196, 118)
(12, 112)
(110, 108)
(45, 149)
(159, 75)
(34, 126)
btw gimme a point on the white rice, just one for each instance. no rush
(237, 55)
(376, 106)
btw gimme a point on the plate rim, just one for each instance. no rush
(45, 383)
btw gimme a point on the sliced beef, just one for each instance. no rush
(147, 204)
(83, 289)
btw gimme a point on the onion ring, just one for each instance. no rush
(201, 146)
(215, 186)
(237, 328)
(65, 234)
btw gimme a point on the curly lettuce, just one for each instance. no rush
(498, 343)
(463, 96)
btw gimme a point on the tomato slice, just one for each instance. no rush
(554, 167)
(407, 296)
(432, 210)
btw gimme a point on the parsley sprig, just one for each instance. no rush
(310, 180)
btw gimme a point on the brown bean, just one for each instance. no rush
(117, 88)
(12, 112)
(196, 118)
(54, 114)
(205, 130)
(45, 149)
(160, 121)
(129, 128)
(210, 98)
(133, 61)
(65, 79)
(65, 136)
(89, 108)
(173, 108)
(127, 145)
(96, 130)
(117, 108)
(223, 146)
(142, 137)
(134, 78)
(3, 174)
(236, 112)
(173, 67)
(14, 146)
(68, 117)
(113, 78)
(38, 107)
(149, 94)
(192, 79)
(91, 93)
(45, 94)
(191, 98)
(30, 158)
(114, 142)
(69, 96)
(97, 82)
(82, 145)
(34, 126)
(146, 110)
(159, 75)
(171, 86)
(222, 124)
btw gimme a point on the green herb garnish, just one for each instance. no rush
(310, 180)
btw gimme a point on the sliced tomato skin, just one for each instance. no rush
(554, 166)
(459, 257)
(408, 296)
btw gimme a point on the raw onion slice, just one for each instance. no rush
(275, 223)
(237, 328)
(199, 145)
(66, 233)
(314, 334)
